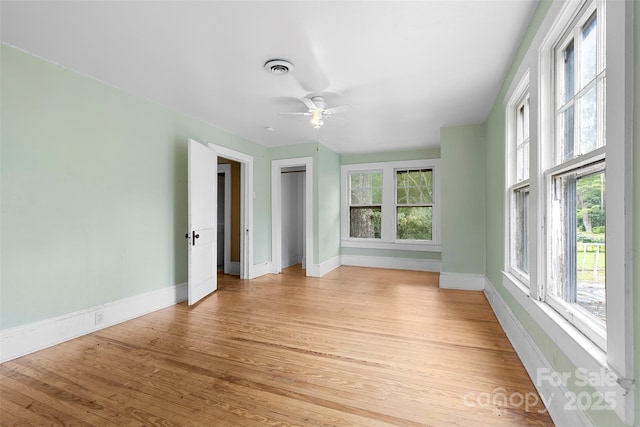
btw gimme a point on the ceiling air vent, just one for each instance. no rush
(278, 66)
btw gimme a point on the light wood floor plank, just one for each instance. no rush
(358, 347)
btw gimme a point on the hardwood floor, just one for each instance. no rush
(358, 347)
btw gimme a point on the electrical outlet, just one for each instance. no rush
(99, 317)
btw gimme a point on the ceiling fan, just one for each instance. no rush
(317, 109)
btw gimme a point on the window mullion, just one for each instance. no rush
(388, 204)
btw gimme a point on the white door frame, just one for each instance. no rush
(276, 211)
(225, 168)
(246, 206)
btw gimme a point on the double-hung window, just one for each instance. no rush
(414, 204)
(365, 204)
(391, 205)
(518, 178)
(575, 180)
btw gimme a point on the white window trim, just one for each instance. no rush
(517, 95)
(582, 352)
(388, 240)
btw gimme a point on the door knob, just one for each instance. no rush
(195, 236)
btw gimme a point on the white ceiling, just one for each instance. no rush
(406, 68)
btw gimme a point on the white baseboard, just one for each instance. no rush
(329, 265)
(261, 269)
(556, 397)
(468, 282)
(22, 340)
(391, 262)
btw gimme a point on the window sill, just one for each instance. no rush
(585, 355)
(398, 246)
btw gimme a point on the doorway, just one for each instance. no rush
(241, 176)
(282, 219)
(292, 209)
(224, 216)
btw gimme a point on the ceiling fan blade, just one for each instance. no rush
(340, 109)
(297, 114)
(309, 103)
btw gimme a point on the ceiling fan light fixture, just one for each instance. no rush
(278, 66)
(316, 119)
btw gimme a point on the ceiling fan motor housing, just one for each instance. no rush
(319, 102)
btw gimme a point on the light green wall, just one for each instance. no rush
(494, 157)
(463, 199)
(94, 186)
(391, 156)
(390, 253)
(294, 151)
(636, 186)
(328, 207)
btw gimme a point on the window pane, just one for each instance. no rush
(365, 188)
(414, 187)
(416, 196)
(522, 162)
(589, 121)
(414, 223)
(588, 51)
(578, 245)
(522, 141)
(402, 196)
(525, 163)
(520, 125)
(519, 160)
(568, 72)
(525, 121)
(520, 233)
(566, 134)
(365, 222)
(590, 193)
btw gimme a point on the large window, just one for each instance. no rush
(365, 204)
(391, 205)
(576, 179)
(414, 204)
(568, 191)
(518, 179)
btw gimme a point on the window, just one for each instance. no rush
(414, 207)
(579, 189)
(518, 181)
(576, 285)
(365, 204)
(391, 205)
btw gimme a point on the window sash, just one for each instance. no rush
(573, 95)
(366, 190)
(562, 265)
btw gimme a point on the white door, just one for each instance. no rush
(203, 182)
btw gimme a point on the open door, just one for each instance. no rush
(203, 182)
